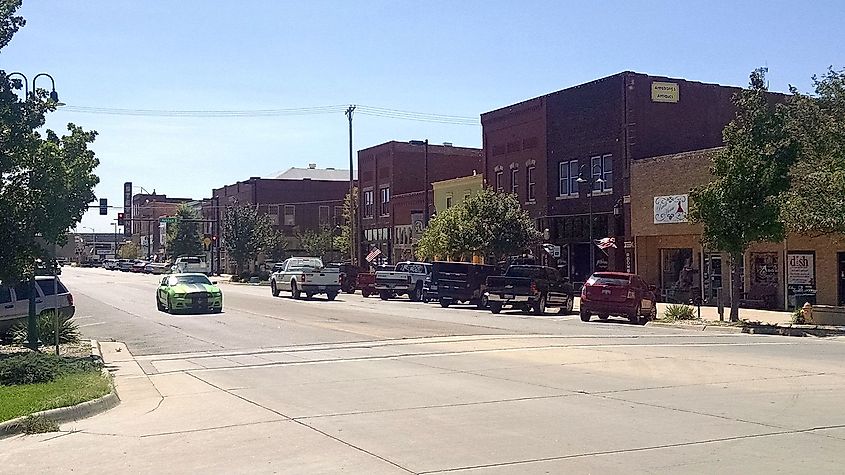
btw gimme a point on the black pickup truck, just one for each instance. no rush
(459, 282)
(530, 288)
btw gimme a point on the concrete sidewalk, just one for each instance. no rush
(770, 317)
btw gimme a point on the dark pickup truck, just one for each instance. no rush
(459, 282)
(530, 288)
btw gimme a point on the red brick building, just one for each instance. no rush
(298, 199)
(392, 198)
(146, 211)
(538, 149)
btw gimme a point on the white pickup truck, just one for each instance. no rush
(407, 278)
(192, 265)
(305, 275)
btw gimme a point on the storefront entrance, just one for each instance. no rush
(712, 277)
(841, 278)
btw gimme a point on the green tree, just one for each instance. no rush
(129, 250)
(246, 233)
(183, 237)
(277, 247)
(46, 181)
(316, 243)
(343, 242)
(741, 205)
(487, 223)
(815, 203)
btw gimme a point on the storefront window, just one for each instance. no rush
(678, 276)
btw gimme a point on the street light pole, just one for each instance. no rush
(352, 207)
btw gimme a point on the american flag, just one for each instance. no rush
(373, 254)
(606, 242)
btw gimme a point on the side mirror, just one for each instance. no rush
(213, 282)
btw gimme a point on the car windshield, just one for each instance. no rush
(188, 279)
(307, 263)
(612, 280)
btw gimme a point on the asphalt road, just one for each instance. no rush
(359, 385)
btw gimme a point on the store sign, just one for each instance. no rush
(127, 208)
(671, 209)
(665, 92)
(800, 269)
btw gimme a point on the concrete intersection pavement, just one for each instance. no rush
(449, 392)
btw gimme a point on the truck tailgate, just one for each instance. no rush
(509, 285)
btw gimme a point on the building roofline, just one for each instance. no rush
(431, 146)
(689, 153)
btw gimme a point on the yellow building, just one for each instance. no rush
(448, 193)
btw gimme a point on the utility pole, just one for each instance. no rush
(352, 208)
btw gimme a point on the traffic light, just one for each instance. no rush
(104, 206)
(120, 219)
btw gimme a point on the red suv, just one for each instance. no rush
(618, 294)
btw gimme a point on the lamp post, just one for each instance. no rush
(592, 181)
(32, 327)
(427, 184)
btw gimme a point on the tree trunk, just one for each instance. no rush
(736, 285)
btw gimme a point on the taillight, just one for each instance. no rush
(70, 299)
(584, 292)
(631, 295)
(533, 287)
(302, 279)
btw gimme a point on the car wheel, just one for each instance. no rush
(495, 307)
(365, 293)
(274, 289)
(331, 295)
(635, 317)
(294, 291)
(309, 296)
(416, 294)
(482, 302)
(603, 317)
(384, 295)
(169, 305)
(159, 305)
(585, 316)
(539, 306)
(445, 303)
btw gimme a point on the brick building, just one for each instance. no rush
(296, 200)
(540, 147)
(669, 252)
(393, 187)
(146, 211)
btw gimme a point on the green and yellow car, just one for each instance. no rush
(188, 292)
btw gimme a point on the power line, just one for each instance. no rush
(300, 111)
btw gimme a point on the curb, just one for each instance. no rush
(74, 413)
(788, 329)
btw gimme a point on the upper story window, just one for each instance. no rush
(449, 201)
(368, 204)
(500, 178)
(290, 215)
(515, 181)
(384, 207)
(530, 184)
(602, 167)
(568, 178)
(324, 215)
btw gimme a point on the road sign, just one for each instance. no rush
(168, 219)
(207, 241)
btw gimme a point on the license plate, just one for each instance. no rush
(202, 302)
(508, 296)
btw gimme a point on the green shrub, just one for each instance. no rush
(38, 425)
(680, 312)
(245, 275)
(263, 276)
(68, 331)
(33, 367)
(798, 316)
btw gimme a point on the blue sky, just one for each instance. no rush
(445, 57)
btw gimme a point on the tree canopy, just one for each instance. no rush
(46, 181)
(183, 237)
(246, 233)
(317, 243)
(487, 223)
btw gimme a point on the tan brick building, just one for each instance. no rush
(667, 249)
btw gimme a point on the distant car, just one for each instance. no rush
(191, 264)
(138, 266)
(618, 294)
(305, 275)
(62, 261)
(157, 268)
(188, 292)
(124, 265)
(110, 264)
(457, 282)
(50, 294)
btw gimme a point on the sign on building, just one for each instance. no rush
(127, 208)
(665, 92)
(671, 209)
(800, 278)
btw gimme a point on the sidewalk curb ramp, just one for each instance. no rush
(788, 329)
(70, 413)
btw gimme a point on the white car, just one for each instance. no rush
(51, 294)
(191, 265)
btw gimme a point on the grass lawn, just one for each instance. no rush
(66, 390)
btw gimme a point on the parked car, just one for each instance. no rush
(138, 266)
(530, 288)
(459, 282)
(305, 275)
(125, 265)
(348, 275)
(51, 294)
(157, 268)
(191, 264)
(407, 278)
(188, 292)
(618, 294)
(110, 264)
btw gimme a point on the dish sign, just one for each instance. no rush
(800, 269)
(671, 209)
